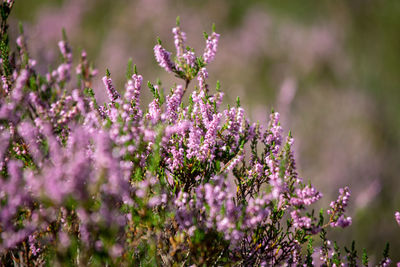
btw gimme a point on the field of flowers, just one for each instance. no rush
(179, 179)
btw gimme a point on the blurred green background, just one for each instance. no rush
(331, 68)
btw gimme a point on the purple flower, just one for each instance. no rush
(386, 262)
(235, 161)
(30, 135)
(18, 93)
(113, 95)
(132, 90)
(207, 149)
(5, 85)
(194, 142)
(300, 222)
(64, 70)
(211, 47)
(179, 40)
(176, 161)
(397, 216)
(201, 77)
(32, 245)
(343, 199)
(173, 102)
(306, 196)
(273, 135)
(13, 195)
(190, 58)
(4, 141)
(257, 211)
(154, 113)
(338, 208)
(235, 120)
(65, 51)
(163, 58)
(342, 222)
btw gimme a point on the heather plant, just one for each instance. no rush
(182, 182)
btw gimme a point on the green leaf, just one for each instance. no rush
(321, 217)
(129, 69)
(152, 89)
(64, 35)
(191, 103)
(365, 257)
(310, 251)
(5, 50)
(88, 92)
(218, 87)
(21, 28)
(386, 250)
(32, 83)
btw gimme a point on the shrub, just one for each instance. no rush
(83, 184)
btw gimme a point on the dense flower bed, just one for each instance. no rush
(180, 182)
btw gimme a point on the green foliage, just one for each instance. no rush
(129, 69)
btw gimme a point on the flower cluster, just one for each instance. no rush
(338, 207)
(191, 182)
